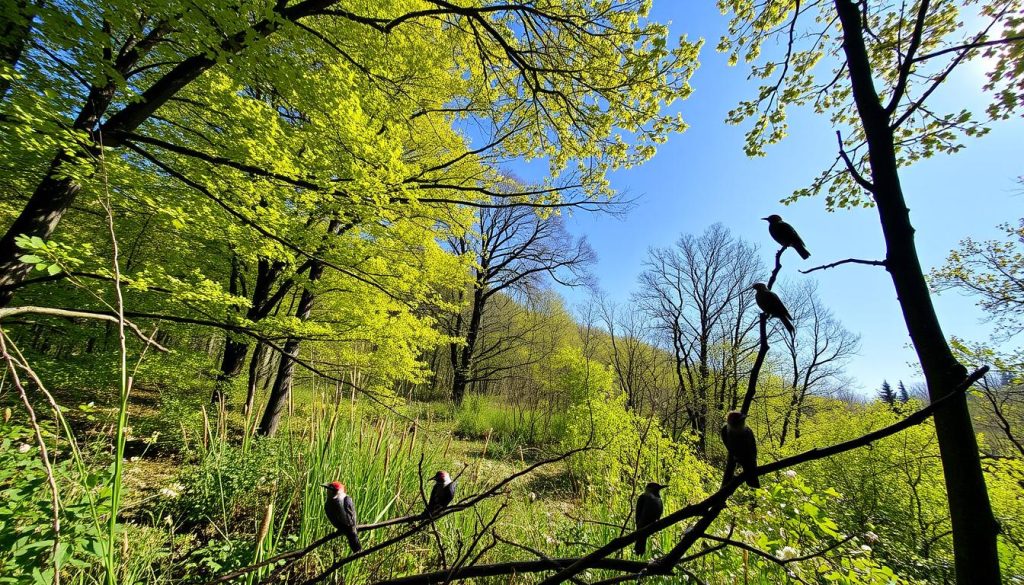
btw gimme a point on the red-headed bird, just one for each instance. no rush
(441, 494)
(770, 303)
(739, 441)
(341, 511)
(786, 236)
(648, 509)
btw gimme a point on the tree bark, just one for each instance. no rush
(14, 32)
(974, 527)
(263, 301)
(279, 393)
(462, 362)
(278, 399)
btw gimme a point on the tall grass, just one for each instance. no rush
(508, 430)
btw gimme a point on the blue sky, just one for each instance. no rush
(702, 177)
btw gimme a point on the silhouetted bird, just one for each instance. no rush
(341, 511)
(770, 303)
(739, 441)
(786, 236)
(648, 509)
(441, 494)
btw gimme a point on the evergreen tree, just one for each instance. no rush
(904, 396)
(886, 394)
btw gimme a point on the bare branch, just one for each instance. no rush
(847, 261)
(69, 314)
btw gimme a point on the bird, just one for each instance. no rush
(786, 236)
(341, 511)
(441, 494)
(770, 303)
(740, 443)
(648, 509)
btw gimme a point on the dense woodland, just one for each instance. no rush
(253, 247)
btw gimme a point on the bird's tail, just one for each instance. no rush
(353, 540)
(752, 479)
(788, 324)
(802, 251)
(641, 546)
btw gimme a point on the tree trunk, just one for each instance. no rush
(254, 375)
(14, 32)
(281, 391)
(464, 363)
(974, 527)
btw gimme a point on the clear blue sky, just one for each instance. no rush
(702, 177)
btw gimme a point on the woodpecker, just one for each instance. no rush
(441, 494)
(341, 511)
(648, 509)
(786, 236)
(739, 441)
(770, 303)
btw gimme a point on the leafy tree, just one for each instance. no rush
(887, 61)
(991, 271)
(110, 77)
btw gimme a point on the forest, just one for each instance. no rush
(276, 305)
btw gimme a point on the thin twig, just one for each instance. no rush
(43, 453)
(881, 263)
(70, 314)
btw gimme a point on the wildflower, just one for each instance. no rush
(790, 473)
(787, 552)
(168, 493)
(24, 448)
(871, 537)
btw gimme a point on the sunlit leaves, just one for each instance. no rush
(804, 37)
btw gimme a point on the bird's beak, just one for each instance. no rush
(325, 485)
(765, 218)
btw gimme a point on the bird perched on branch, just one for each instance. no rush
(441, 494)
(786, 236)
(770, 303)
(648, 509)
(739, 441)
(341, 511)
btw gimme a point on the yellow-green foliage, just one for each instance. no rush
(624, 447)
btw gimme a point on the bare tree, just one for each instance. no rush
(697, 293)
(515, 252)
(815, 355)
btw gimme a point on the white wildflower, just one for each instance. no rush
(790, 473)
(24, 448)
(787, 552)
(871, 537)
(167, 492)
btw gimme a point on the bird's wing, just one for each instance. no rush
(641, 509)
(350, 510)
(777, 306)
(751, 443)
(435, 495)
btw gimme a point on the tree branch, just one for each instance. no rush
(847, 261)
(69, 314)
